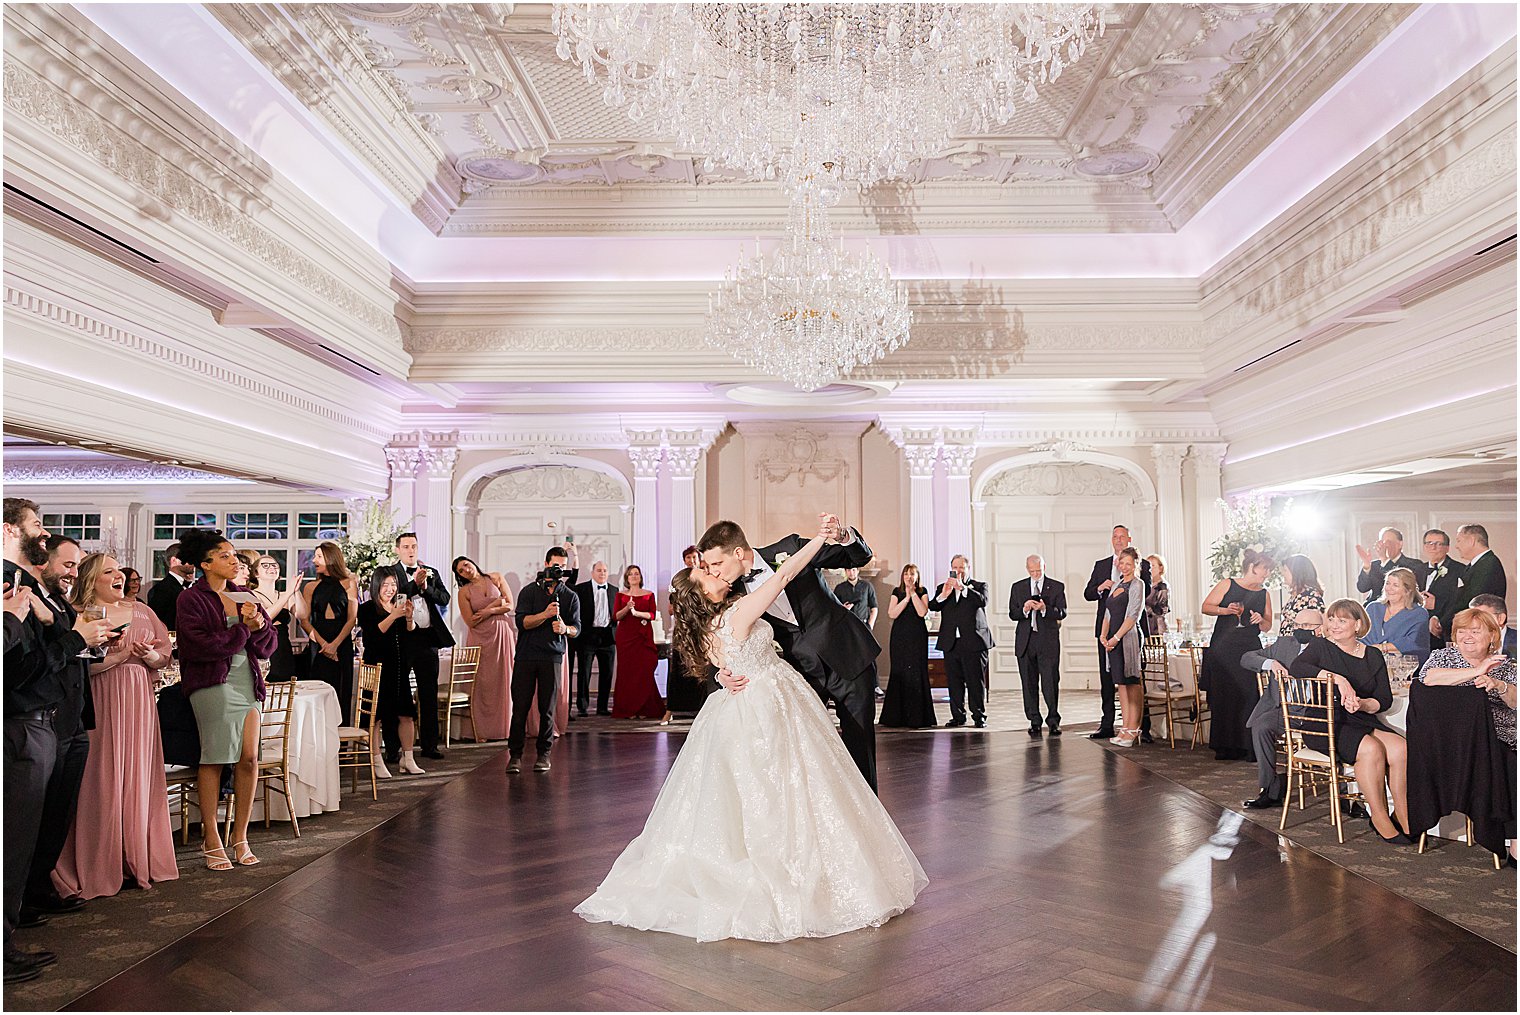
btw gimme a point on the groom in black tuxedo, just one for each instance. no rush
(822, 639)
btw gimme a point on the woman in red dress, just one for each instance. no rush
(634, 693)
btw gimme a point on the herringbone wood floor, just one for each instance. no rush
(1062, 877)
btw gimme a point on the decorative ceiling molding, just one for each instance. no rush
(122, 473)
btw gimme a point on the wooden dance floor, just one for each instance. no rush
(1061, 876)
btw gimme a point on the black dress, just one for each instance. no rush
(286, 663)
(908, 703)
(1230, 686)
(1118, 608)
(1368, 677)
(389, 649)
(330, 593)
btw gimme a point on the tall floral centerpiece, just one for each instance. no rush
(1251, 525)
(371, 540)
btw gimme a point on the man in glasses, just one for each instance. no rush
(1438, 592)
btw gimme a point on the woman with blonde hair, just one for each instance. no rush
(1362, 691)
(1399, 624)
(330, 609)
(121, 828)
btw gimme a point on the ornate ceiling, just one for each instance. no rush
(468, 117)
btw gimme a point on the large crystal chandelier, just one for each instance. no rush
(809, 311)
(777, 89)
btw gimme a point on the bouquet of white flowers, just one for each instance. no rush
(371, 541)
(1251, 525)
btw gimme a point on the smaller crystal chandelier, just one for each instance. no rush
(810, 311)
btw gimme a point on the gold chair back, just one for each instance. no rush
(274, 747)
(456, 697)
(1309, 713)
(1201, 711)
(356, 743)
(1160, 696)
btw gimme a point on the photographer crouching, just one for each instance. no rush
(548, 611)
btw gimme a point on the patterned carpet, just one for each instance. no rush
(110, 934)
(1455, 882)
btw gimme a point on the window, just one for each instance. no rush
(248, 525)
(76, 526)
(321, 525)
(168, 526)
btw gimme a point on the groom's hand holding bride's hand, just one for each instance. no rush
(733, 683)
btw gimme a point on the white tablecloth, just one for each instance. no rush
(315, 785)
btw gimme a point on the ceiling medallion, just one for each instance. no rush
(497, 169)
(1116, 164)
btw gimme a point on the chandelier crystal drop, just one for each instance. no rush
(810, 311)
(774, 90)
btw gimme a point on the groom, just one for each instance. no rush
(822, 639)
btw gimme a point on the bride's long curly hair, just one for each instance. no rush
(696, 617)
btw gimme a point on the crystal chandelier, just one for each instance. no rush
(810, 311)
(777, 89)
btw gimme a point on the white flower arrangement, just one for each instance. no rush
(371, 541)
(1251, 525)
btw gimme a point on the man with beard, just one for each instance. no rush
(36, 679)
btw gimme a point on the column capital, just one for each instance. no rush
(683, 459)
(646, 461)
(921, 459)
(403, 462)
(1168, 458)
(1208, 457)
(439, 461)
(958, 459)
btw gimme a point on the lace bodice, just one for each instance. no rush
(755, 654)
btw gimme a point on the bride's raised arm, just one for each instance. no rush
(752, 606)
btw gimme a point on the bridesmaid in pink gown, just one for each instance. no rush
(485, 603)
(634, 692)
(122, 828)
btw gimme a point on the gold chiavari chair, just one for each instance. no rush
(356, 743)
(274, 748)
(1201, 713)
(1161, 696)
(185, 781)
(457, 695)
(1498, 861)
(1309, 708)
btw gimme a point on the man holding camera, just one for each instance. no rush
(548, 611)
(427, 595)
(964, 638)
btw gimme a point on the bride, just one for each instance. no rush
(764, 829)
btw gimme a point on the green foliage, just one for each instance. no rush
(1252, 525)
(371, 540)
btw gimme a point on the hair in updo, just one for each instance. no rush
(696, 617)
(1255, 558)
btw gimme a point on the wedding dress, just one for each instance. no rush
(764, 829)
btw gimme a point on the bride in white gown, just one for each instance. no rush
(764, 829)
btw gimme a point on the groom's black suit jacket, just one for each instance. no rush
(830, 646)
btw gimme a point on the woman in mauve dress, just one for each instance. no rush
(485, 603)
(122, 828)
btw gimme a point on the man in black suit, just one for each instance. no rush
(1037, 604)
(964, 639)
(822, 639)
(597, 640)
(1485, 572)
(1105, 575)
(1443, 580)
(163, 597)
(428, 596)
(1389, 555)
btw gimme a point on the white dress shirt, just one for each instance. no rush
(782, 607)
(601, 616)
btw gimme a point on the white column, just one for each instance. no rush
(681, 514)
(435, 521)
(921, 460)
(403, 463)
(1206, 460)
(646, 520)
(958, 459)
(1171, 538)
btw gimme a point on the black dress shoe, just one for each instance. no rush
(1055, 731)
(31, 917)
(1035, 730)
(1263, 802)
(954, 723)
(604, 711)
(1101, 734)
(979, 723)
(39, 957)
(19, 970)
(55, 903)
(435, 754)
(1145, 738)
(582, 711)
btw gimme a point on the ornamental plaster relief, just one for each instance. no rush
(111, 473)
(550, 483)
(1062, 479)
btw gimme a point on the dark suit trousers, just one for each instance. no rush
(1040, 673)
(424, 658)
(856, 710)
(529, 675)
(58, 809)
(965, 664)
(31, 751)
(596, 644)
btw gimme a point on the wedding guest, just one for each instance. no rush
(429, 634)
(964, 638)
(286, 663)
(1485, 572)
(385, 618)
(122, 827)
(220, 646)
(1361, 682)
(1303, 590)
(131, 588)
(598, 640)
(684, 693)
(248, 562)
(485, 604)
(1474, 657)
(1120, 634)
(909, 703)
(164, 595)
(1244, 612)
(329, 611)
(635, 694)
(1037, 605)
(1158, 603)
(1498, 609)
(857, 596)
(1443, 581)
(1105, 575)
(1266, 721)
(1386, 554)
(1398, 623)
(548, 612)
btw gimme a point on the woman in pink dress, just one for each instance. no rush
(634, 693)
(122, 827)
(485, 603)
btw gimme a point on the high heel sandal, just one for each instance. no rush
(245, 857)
(668, 716)
(1126, 738)
(216, 859)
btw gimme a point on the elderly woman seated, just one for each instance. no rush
(1399, 623)
(1473, 658)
